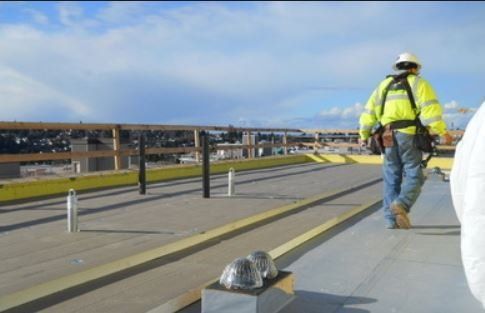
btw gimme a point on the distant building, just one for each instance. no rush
(83, 165)
(265, 151)
(246, 140)
(230, 154)
(187, 159)
(256, 152)
(9, 170)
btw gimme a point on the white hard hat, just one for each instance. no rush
(406, 57)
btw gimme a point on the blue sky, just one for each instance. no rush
(274, 64)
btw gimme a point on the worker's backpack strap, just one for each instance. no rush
(423, 140)
(396, 79)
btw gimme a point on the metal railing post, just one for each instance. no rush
(116, 147)
(231, 176)
(285, 143)
(250, 146)
(317, 139)
(205, 164)
(141, 165)
(197, 145)
(72, 222)
(273, 150)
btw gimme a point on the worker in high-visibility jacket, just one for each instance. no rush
(390, 105)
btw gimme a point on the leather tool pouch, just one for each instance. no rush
(376, 141)
(388, 137)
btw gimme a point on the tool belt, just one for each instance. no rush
(383, 136)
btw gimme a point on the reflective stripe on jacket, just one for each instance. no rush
(398, 107)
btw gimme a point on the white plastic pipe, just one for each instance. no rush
(231, 178)
(72, 223)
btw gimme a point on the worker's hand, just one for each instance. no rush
(363, 143)
(446, 139)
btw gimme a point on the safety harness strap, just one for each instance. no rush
(402, 79)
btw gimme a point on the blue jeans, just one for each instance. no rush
(403, 176)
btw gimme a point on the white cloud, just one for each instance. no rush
(454, 115)
(70, 13)
(25, 98)
(351, 112)
(451, 105)
(121, 12)
(38, 17)
(457, 116)
(214, 63)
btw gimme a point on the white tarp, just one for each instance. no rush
(467, 182)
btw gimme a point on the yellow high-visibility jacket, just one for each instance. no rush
(398, 107)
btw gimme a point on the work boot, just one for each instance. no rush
(402, 219)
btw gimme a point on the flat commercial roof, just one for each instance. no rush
(356, 267)
(366, 268)
(115, 224)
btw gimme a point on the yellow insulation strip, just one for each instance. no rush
(46, 187)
